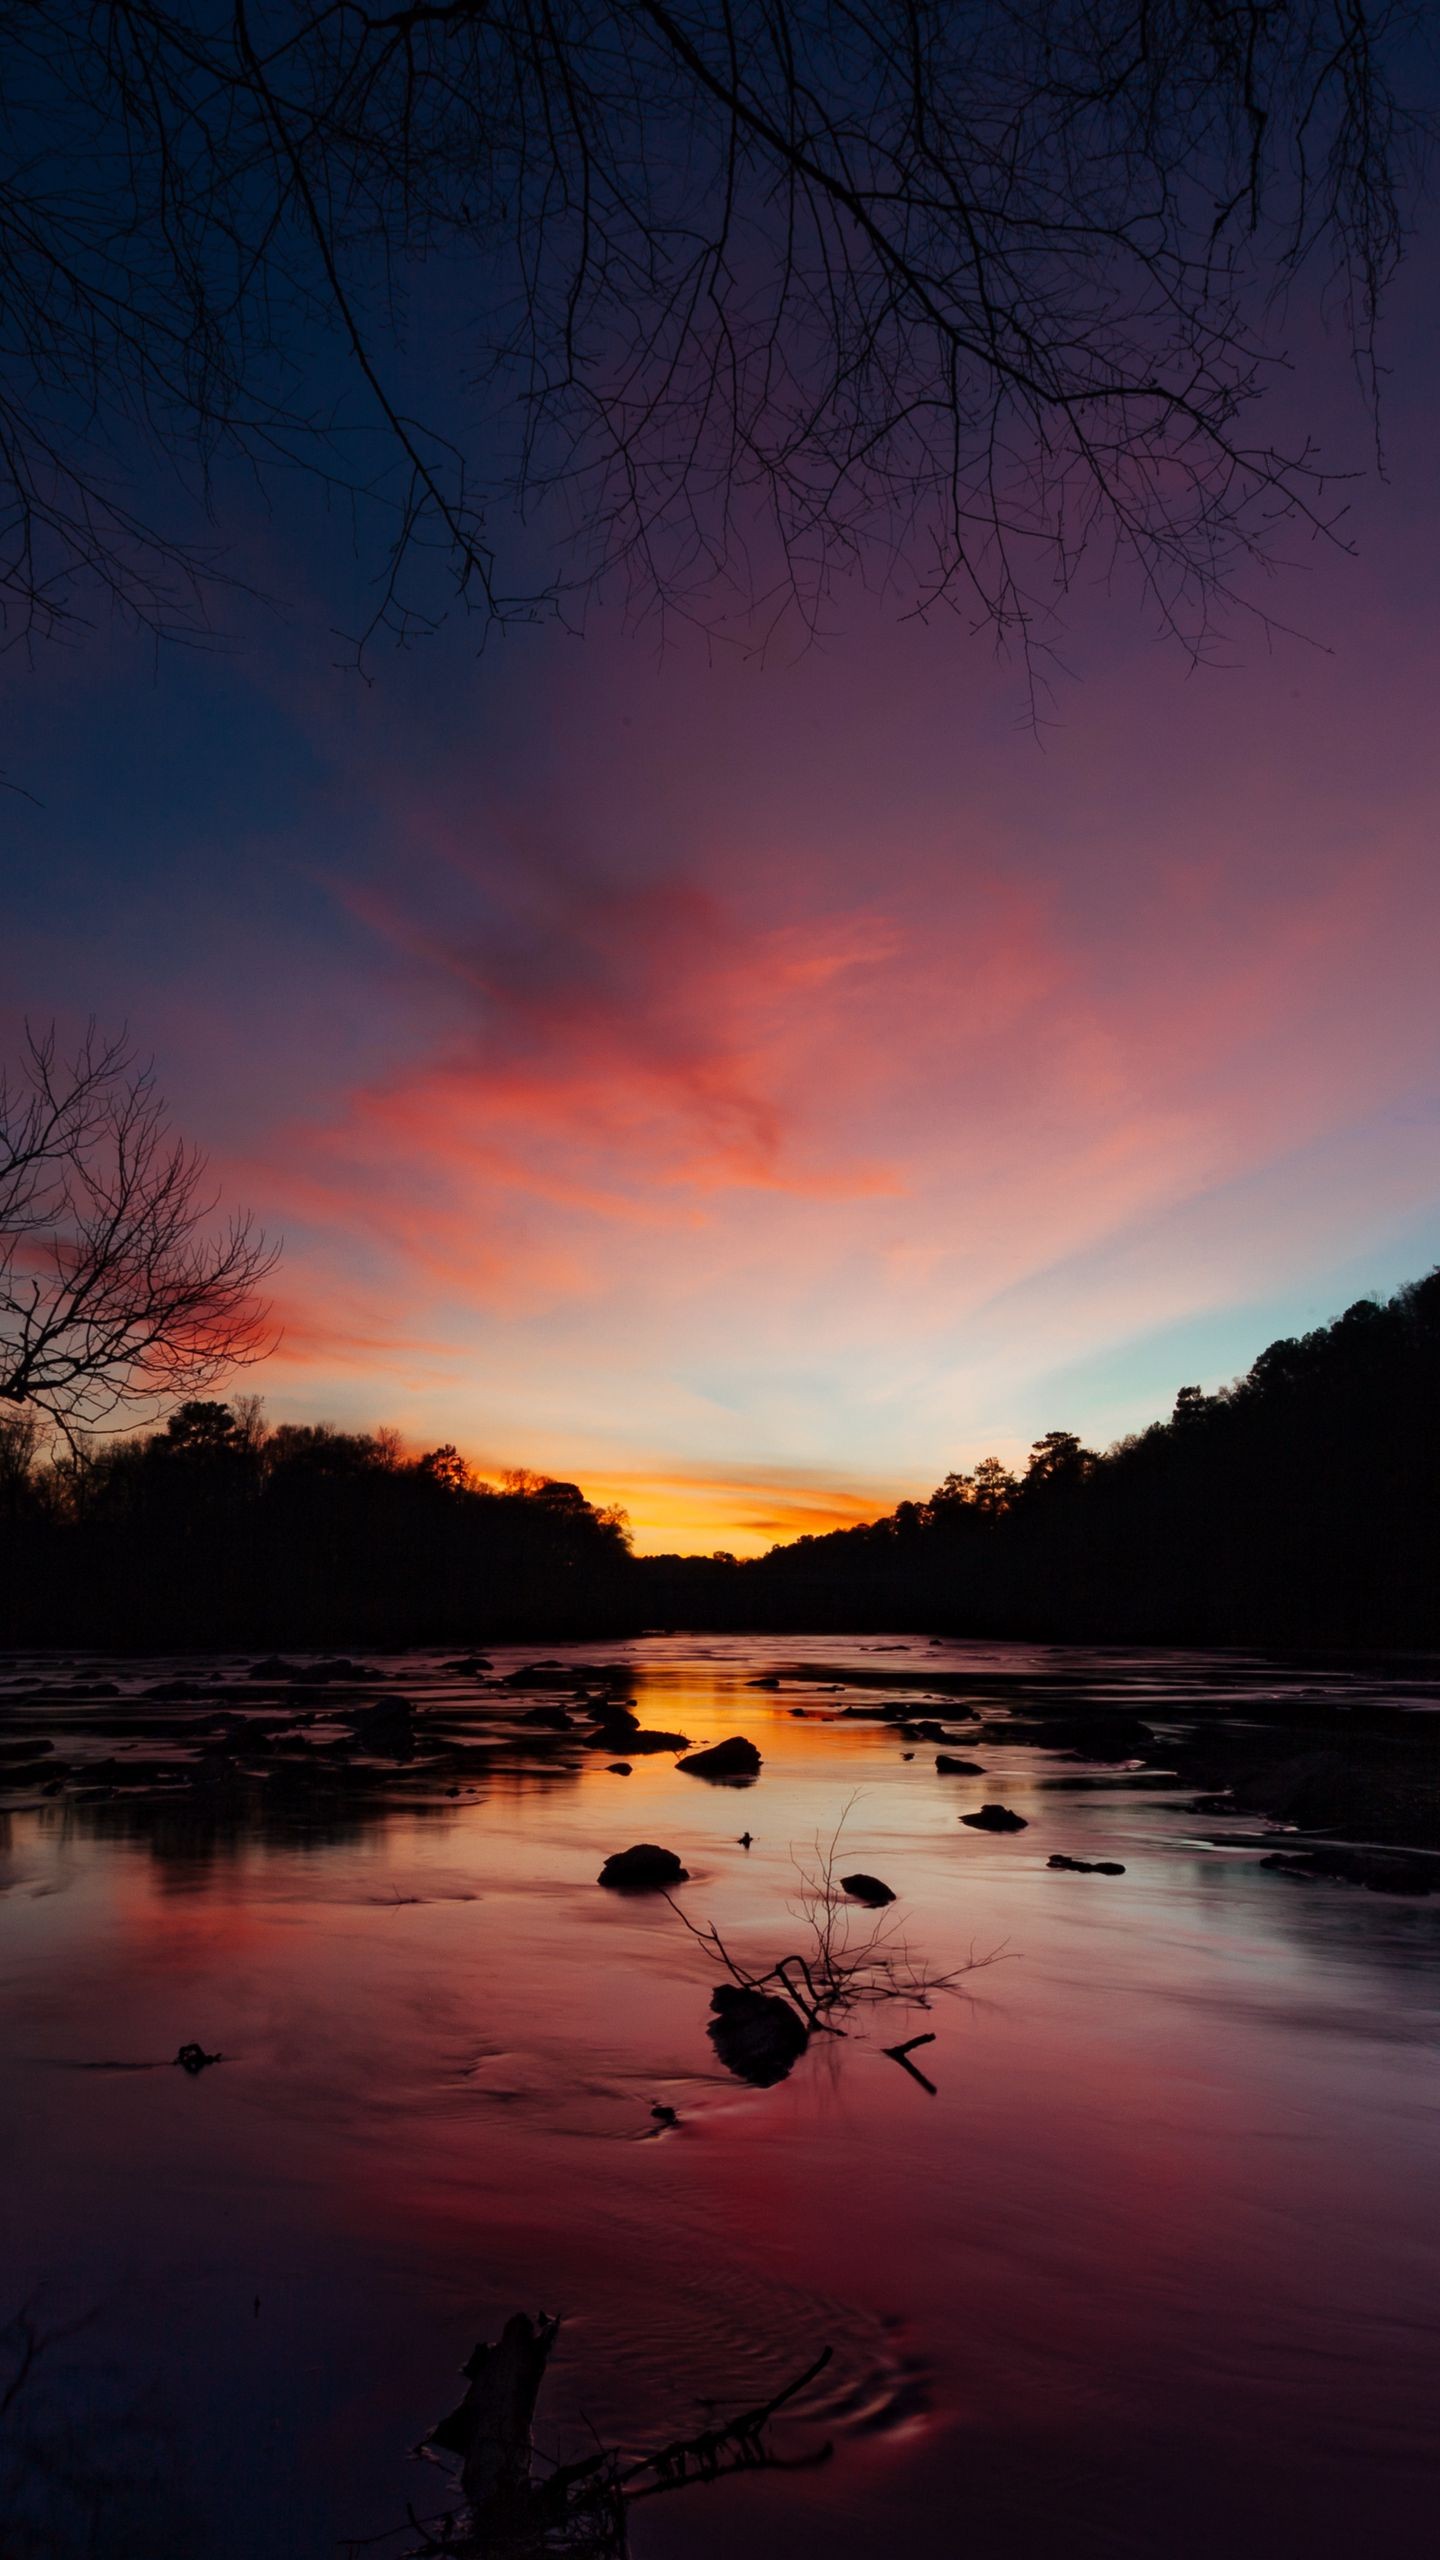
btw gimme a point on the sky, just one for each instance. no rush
(754, 1086)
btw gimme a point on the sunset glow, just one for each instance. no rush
(751, 1088)
(719, 1280)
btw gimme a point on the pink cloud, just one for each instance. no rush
(656, 1060)
(947, 1092)
(749, 1115)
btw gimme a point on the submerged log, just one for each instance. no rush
(576, 2506)
(491, 2429)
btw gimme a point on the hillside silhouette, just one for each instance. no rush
(1301, 1503)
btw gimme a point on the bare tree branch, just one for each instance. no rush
(747, 294)
(116, 1290)
(844, 1963)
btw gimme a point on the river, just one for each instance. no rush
(1153, 2268)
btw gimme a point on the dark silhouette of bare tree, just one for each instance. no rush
(743, 292)
(114, 1292)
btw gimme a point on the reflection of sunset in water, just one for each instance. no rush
(1168, 2220)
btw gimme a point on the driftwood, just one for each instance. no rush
(735, 2445)
(837, 1972)
(901, 2053)
(578, 2507)
(491, 2429)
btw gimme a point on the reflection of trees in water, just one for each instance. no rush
(203, 1828)
(84, 2465)
(1364, 1963)
(439, 1757)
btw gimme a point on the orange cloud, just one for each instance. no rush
(779, 1183)
(660, 1058)
(690, 1512)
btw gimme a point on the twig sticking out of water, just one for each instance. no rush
(836, 1971)
(901, 2053)
(737, 2445)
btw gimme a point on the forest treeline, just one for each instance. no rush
(218, 1530)
(1301, 1503)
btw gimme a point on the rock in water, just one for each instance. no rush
(387, 1728)
(866, 1889)
(950, 1767)
(643, 1869)
(615, 1727)
(995, 1817)
(755, 2035)
(1379, 1870)
(315, 1675)
(618, 1729)
(735, 1758)
(1086, 1866)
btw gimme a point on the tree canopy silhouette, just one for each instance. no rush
(712, 297)
(221, 1530)
(116, 1291)
(1300, 1505)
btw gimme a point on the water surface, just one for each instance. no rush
(1155, 2269)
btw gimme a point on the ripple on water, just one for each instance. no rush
(724, 2331)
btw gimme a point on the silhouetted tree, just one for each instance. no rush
(1301, 1503)
(202, 1431)
(994, 1489)
(445, 1467)
(114, 1290)
(20, 1453)
(216, 1530)
(747, 288)
(1056, 1459)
